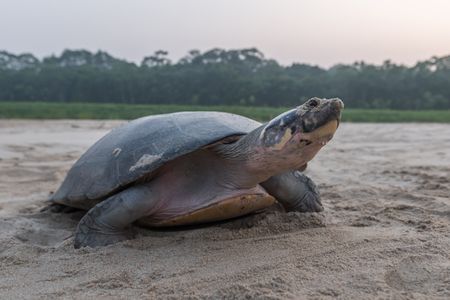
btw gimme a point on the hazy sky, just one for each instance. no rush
(323, 32)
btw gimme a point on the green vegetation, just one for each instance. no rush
(46, 110)
(221, 77)
(396, 116)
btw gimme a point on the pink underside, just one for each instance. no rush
(170, 207)
(201, 178)
(190, 183)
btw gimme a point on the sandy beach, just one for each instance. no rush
(385, 231)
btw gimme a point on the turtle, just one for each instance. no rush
(188, 168)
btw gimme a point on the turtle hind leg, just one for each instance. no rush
(295, 191)
(91, 233)
(110, 221)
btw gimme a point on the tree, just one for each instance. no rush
(219, 76)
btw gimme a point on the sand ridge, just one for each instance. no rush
(385, 231)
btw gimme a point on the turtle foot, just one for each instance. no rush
(91, 234)
(310, 199)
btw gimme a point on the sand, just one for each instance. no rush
(385, 231)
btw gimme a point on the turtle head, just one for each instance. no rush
(302, 131)
(287, 142)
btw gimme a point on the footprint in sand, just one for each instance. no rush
(422, 274)
(41, 229)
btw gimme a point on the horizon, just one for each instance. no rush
(138, 62)
(320, 32)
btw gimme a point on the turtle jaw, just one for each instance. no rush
(321, 135)
(320, 119)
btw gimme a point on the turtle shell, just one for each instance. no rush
(136, 149)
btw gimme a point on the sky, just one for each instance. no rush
(319, 32)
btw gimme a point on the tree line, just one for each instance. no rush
(218, 76)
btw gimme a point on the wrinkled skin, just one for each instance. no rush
(288, 141)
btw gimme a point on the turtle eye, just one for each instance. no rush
(313, 103)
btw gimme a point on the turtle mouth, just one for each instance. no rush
(322, 141)
(321, 135)
(305, 142)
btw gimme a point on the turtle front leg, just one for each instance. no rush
(110, 221)
(295, 191)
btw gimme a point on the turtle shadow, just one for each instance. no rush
(55, 224)
(245, 221)
(274, 220)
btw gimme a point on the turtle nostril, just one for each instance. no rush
(339, 105)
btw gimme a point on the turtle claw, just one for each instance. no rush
(59, 208)
(91, 234)
(310, 200)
